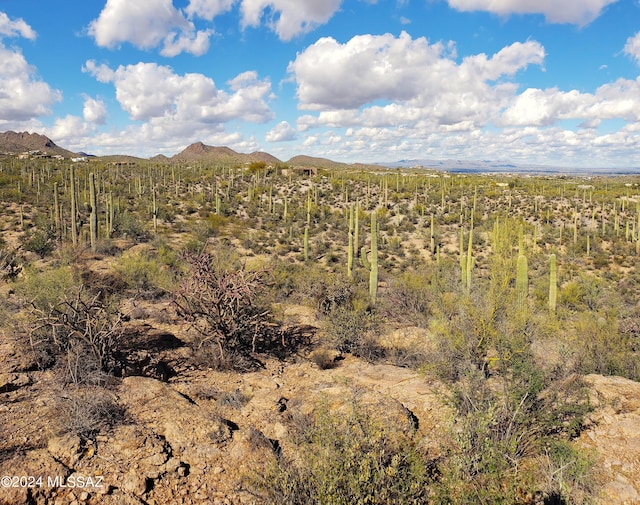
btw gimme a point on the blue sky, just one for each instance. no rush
(529, 81)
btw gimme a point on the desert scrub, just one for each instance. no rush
(408, 297)
(355, 331)
(127, 225)
(347, 458)
(147, 271)
(223, 307)
(38, 241)
(509, 441)
(85, 411)
(42, 289)
(79, 333)
(600, 347)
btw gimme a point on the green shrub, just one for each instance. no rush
(600, 347)
(127, 225)
(345, 458)
(145, 272)
(355, 332)
(38, 241)
(408, 298)
(43, 288)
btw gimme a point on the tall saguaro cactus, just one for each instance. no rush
(74, 206)
(553, 283)
(522, 281)
(350, 247)
(469, 258)
(93, 218)
(372, 266)
(56, 210)
(373, 274)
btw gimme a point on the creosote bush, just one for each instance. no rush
(355, 331)
(345, 458)
(146, 272)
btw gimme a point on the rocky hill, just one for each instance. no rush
(200, 151)
(311, 161)
(19, 142)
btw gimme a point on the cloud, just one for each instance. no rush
(152, 92)
(69, 127)
(388, 95)
(422, 81)
(148, 25)
(9, 28)
(281, 132)
(208, 9)
(158, 23)
(580, 12)
(188, 42)
(632, 47)
(617, 100)
(94, 111)
(288, 18)
(23, 96)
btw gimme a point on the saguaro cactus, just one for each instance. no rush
(56, 210)
(522, 281)
(463, 261)
(469, 258)
(372, 265)
(93, 218)
(373, 274)
(74, 207)
(432, 241)
(350, 247)
(553, 283)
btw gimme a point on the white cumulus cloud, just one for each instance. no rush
(288, 18)
(421, 81)
(152, 92)
(580, 12)
(23, 95)
(632, 47)
(18, 27)
(208, 9)
(94, 111)
(148, 25)
(281, 132)
(537, 107)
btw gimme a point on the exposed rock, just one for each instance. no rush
(615, 435)
(12, 381)
(37, 464)
(191, 431)
(18, 142)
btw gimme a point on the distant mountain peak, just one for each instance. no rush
(201, 151)
(17, 142)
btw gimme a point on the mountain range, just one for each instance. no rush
(15, 143)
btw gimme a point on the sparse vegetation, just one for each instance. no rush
(516, 286)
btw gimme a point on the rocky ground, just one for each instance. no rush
(191, 436)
